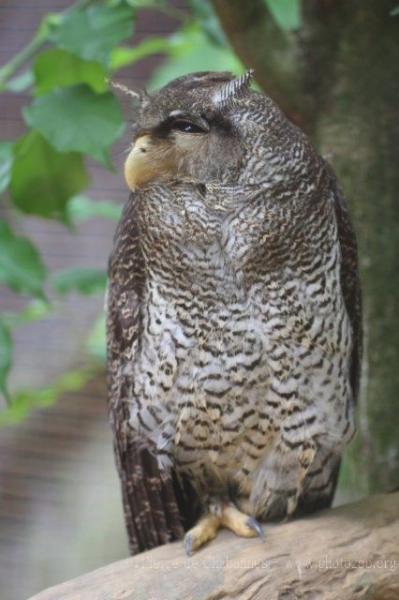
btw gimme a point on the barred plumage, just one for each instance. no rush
(234, 328)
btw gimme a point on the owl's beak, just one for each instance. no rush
(137, 163)
(150, 159)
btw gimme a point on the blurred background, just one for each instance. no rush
(333, 66)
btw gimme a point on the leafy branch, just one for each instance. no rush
(48, 24)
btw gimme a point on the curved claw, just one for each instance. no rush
(188, 545)
(253, 524)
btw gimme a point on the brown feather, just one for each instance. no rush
(152, 512)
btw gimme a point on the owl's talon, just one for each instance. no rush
(188, 544)
(257, 527)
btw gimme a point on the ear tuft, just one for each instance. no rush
(141, 95)
(232, 89)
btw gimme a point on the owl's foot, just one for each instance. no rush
(240, 523)
(224, 515)
(204, 531)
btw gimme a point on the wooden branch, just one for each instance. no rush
(265, 47)
(346, 553)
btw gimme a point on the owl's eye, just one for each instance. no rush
(187, 126)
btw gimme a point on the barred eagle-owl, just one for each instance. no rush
(234, 329)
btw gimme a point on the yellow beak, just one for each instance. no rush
(138, 169)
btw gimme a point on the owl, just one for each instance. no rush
(234, 317)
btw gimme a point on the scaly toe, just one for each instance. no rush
(240, 523)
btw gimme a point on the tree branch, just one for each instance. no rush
(265, 47)
(347, 553)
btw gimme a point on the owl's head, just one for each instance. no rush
(203, 127)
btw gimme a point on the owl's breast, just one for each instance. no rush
(200, 380)
(242, 339)
(217, 378)
(187, 223)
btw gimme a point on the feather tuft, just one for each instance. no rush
(232, 89)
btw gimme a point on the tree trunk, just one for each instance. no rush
(348, 553)
(347, 59)
(358, 130)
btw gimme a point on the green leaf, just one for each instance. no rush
(81, 209)
(23, 402)
(6, 159)
(42, 179)
(96, 345)
(138, 3)
(77, 119)
(92, 33)
(5, 358)
(85, 281)
(34, 311)
(394, 12)
(190, 51)
(122, 56)
(21, 82)
(286, 13)
(21, 267)
(203, 11)
(59, 68)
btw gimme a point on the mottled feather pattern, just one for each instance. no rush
(234, 332)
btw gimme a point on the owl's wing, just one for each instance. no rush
(350, 282)
(156, 505)
(351, 291)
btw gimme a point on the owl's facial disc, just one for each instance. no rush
(159, 153)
